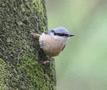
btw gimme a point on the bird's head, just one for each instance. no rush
(60, 32)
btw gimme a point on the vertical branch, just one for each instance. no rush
(18, 53)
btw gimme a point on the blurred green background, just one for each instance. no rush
(83, 63)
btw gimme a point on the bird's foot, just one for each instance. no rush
(45, 62)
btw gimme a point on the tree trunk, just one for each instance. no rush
(19, 51)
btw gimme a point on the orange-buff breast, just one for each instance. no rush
(50, 45)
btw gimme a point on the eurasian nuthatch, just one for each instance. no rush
(53, 41)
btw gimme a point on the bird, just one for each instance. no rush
(53, 41)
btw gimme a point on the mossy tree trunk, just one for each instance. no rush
(19, 52)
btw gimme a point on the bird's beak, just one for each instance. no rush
(71, 35)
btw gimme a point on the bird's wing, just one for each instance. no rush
(63, 47)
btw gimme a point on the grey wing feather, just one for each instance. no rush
(63, 47)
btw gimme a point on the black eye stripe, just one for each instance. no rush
(61, 34)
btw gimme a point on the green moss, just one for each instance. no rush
(37, 74)
(3, 74)
(19, 50)
(40, 9)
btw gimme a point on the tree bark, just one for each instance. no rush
(19, 51)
